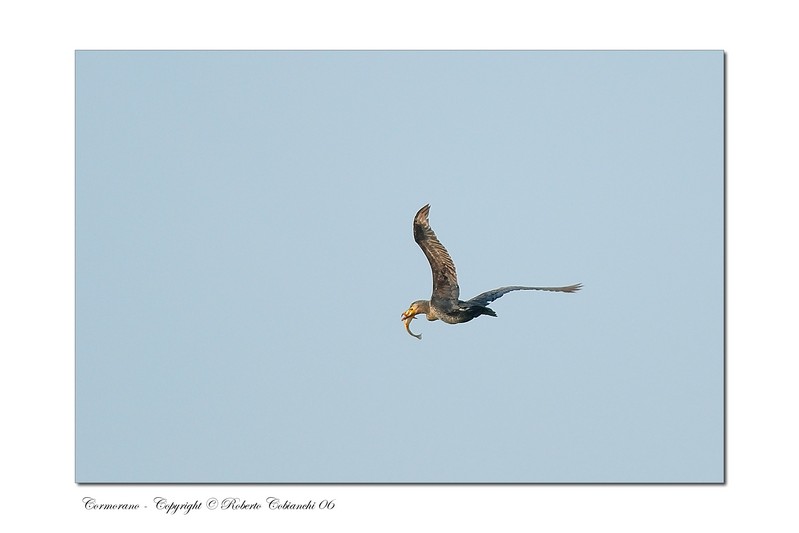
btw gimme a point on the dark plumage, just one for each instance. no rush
(444, 303)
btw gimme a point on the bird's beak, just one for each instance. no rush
(408, 315)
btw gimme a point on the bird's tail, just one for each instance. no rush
(483, 310)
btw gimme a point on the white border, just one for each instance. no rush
(36, 211)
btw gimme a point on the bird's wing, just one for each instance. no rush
(489, 296)
(445, 280)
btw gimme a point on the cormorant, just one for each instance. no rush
(444, 303)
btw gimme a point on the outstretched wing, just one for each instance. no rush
(489, 296)
(445, 280)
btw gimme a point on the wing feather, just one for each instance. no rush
(445, 279)
(489, 296)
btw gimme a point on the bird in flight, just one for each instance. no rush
(444, 303)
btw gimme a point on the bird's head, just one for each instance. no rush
(413, 310)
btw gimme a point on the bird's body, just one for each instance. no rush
(444, 304)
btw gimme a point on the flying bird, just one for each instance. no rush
(444, 303)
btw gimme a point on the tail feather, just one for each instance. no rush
(486, 311)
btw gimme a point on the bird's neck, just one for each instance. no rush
(425, 307)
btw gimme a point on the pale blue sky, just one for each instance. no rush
(244, 253)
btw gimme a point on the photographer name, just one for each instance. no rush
(276, 504)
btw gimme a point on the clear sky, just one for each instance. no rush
(244, 253)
